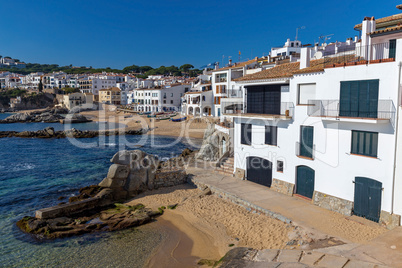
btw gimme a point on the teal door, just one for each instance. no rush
(392, 49)
(305, 181)
(367, 200)
(306, 141)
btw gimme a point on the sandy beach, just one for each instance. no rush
(212, 226)
(191, 128)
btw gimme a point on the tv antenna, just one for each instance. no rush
(324, 38)
(297, 30)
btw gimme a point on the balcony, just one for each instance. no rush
(358, 55)
(236, 109)
(235, 93)
(221, 80)
(329, 109)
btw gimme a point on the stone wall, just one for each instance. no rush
(333, 203)
(389, 220)
(172, 178)
(240, 174)
(282, 187)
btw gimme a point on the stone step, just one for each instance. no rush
(225, 169)
(227, 165)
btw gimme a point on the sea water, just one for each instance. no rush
(34, 173)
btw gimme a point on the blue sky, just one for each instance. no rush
(171, 32)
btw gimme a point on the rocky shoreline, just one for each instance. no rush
(49, 132)
(53, 115)
(98, 207)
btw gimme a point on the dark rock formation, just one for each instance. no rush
(52, 115)
(49, 132)
(112, 219)
(131, 173)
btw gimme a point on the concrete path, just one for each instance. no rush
(384, 250)
(243, 257)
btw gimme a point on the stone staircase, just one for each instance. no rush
(226, 167)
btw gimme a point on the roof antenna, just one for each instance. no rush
(297, 30)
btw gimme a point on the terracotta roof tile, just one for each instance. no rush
(287, 70)
(238, 65)
(383, 20)
(386, 30)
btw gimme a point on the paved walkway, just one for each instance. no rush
(383, 250)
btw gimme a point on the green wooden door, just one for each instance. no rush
(367, 200)
(305, 181)
(306, 141)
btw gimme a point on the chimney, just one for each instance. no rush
(217, 66)
(230, 62)
(368, 26)
(304, 57)
(356, 38)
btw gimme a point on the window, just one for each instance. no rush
(306, 93)
(270, 135)
(279, 166)
(359, 98)
(306, 141)
(364, 143)
(245, 135)
(164, 101)
(171, 101)
(171, 94)
(203, 98)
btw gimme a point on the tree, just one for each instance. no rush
(40, 86)
(185, 67)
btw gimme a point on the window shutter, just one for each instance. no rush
(344, 103)
(373, 98)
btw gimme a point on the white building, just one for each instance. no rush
(227, 93)
(159, 99)
(328, 129)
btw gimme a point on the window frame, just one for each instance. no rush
(372, 136)
(246, 138)
(279, 166)
(272, 139)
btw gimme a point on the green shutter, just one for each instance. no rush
(306, 141)
(373, 98)
(344, 103)
(364, 143)
(359, 98)
(392, 49)
(354, 99)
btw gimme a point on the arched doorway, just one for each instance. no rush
(305, 181)
(190, 110)
(223, 144)
(259, 170)
(197, 111)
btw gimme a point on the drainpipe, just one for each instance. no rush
(396, 137)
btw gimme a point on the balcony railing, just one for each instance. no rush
(331, 108)
(220, 80)
(286, 110)
(305, 151)
(375, 53)
(232, 107)
(235, 93)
